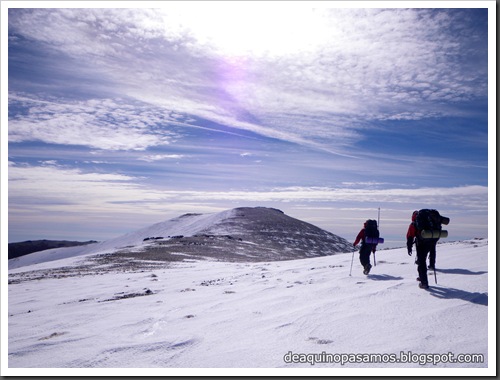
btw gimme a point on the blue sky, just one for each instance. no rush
(123, 117)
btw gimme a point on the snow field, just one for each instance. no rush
(250, 315)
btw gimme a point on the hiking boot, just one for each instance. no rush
(367, 268)
(423, 286)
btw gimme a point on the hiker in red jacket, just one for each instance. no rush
(365, 250)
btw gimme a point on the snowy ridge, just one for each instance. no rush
(208, 314)
(187, 225)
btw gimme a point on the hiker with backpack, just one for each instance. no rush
(425, 230)
(369, 237)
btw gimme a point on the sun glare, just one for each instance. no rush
(254, 29)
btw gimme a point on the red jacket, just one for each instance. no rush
(361, 236)
(412, 231)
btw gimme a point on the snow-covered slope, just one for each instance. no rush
(244, 233)
(188, 224)
(209, 314)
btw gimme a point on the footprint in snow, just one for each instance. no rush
(320, 341)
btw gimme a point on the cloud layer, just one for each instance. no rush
(64, 194)
(359, 65)
(140, 114)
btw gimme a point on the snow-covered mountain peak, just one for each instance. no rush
(239, 234)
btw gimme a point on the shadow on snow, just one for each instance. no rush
(460, 271)
(451, 293)
(383, 277)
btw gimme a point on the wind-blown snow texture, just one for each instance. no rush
(214, 314)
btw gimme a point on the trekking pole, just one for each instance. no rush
(378, 226)
(352, 260)
(435, 276)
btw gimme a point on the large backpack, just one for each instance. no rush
(371, 232)
(428, 223)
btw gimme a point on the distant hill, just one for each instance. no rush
(30, 246)
(240, 234)
(245, 234)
